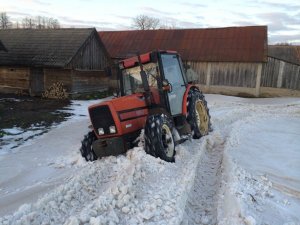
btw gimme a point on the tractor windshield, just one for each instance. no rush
(132, 81)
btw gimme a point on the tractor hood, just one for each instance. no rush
(127, 114)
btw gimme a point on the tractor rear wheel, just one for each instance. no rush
(198, 114)
(87, 148)
(159, 139)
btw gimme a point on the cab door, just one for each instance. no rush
(173, 73)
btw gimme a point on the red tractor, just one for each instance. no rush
(154, 95)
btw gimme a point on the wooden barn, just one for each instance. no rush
(35, 59)
(225, 60)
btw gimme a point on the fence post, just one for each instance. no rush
(280, 74)
(258, 79)
(208, 75)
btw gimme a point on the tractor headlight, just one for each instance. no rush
(100, 131)
(112, 129)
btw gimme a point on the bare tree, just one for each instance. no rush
(283, 43)
(40, 22)
(143, 22)
(4, 21)
(169, 25)
(17, 24)
(53, 23)
(28, 23)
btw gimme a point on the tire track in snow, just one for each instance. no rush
(202, 202)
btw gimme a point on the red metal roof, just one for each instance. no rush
(230, 44)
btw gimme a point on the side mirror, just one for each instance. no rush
(166, 85)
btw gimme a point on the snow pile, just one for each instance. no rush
(132, 189)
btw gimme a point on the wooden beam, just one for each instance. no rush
(258, 79)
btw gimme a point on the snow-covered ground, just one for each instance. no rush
(247, 171)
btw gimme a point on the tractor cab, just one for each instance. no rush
(159, 73)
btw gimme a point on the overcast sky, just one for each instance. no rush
(281, 16)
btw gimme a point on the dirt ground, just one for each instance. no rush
(28, 113)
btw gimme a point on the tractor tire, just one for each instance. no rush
(86, 147)
(198, 114)
(159, 139)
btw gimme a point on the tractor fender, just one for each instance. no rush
(185, 96)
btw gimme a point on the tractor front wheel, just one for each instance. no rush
(159, 139)
(87, 148)
(198, 114)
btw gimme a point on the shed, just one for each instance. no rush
(38, 58)
(226, 60)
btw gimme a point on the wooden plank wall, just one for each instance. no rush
(77, 80)
(14, 78)
(291, 76)
(227, 74)
(279, 74)
(270, 73)
(91, 56)
(58, 75)
(234, 74)
(87, 81)
(200, 68)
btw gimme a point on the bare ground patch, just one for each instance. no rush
(24, 117)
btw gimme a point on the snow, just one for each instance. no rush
(261, 163)
(245, 172)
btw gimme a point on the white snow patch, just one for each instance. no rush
(261, 172)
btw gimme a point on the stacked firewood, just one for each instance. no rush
(56, 91)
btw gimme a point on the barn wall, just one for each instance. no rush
(87, 81)
(234, 74)
(280, 74)
(226, 74)
(77, 81)
(91, 56)
(36, 81)
(200, 68)
(58, 75)
(14, 79)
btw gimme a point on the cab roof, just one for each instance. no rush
(145, 58)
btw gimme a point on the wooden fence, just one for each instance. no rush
(280, 74)
(273, 78)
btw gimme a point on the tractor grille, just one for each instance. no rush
(101, 118)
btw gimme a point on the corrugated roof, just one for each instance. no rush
(288, 53)
(45, 47)
(231, 44)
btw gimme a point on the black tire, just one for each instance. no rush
(159, 139)
(198, 114)
(86, 147)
